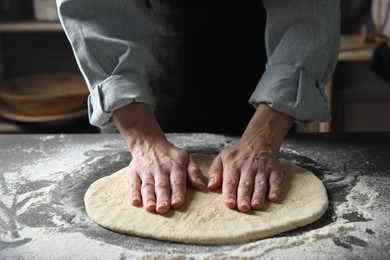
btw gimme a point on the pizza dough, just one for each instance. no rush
(204, 219)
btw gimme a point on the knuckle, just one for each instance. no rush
(147, 185)
(246, 184)
(162, 185)
(231, 165)
(135, 186)
(178, 182)
(231, 183)
(260, 185)
(251, 163)
(276, 183)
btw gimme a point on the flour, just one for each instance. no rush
(310, 240)
(7, 201)
(30, 150)
(289, 150)
(39, 189)
(34, 198)
(49, 137)
(196, 141)
(58, 221)
(67, 245)
(12, 179)
(42, 166)
(72, 246)
(361, 200)
(61, 161)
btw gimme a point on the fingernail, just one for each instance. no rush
(176, 200)
(211, 181)
(200, 182)
(244, 207)
(150, 203)
(135, 200)
(162, 204)
(162, 207)
(274, 196)
(244, 203)
(232, 201)
(256, 203)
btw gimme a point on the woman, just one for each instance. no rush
(170, 65)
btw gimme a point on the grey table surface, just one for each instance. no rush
(43, 179)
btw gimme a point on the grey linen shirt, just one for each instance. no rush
(111, 41)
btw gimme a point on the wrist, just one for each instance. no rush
(269, 127)
(138, 126)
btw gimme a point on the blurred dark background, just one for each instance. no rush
(360, 98)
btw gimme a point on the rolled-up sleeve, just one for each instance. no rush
(302, 43)
(110, 40)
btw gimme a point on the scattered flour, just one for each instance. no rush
(13, 180)
(289, 150)
(75, 245)
(30, 150)
(360, 200)
(58, 243)
(7, 200)
(48, 137)
(34, 198)
(312, 239)
(58, 221)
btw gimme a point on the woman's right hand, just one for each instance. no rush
(159, 171)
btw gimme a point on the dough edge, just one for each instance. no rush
(206, 238)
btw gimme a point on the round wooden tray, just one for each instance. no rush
(59, 119)
(45, 94)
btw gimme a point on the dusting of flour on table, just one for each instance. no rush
(361, 200)
(42, 215)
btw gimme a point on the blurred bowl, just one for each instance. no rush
(45, 94)
(49, 120)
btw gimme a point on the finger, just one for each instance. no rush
(163, 193)
(195, 175)
(147, 192)
(215, 173)
(275, 185)
(259, 191)
(134, 183)
(178, 186)
(229, 187)
(244, 191)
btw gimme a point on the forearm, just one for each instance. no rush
(268, 127)
(302, 50)
(111, 56)
(138, 126)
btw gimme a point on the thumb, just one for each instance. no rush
(215, 173)
(195, 175)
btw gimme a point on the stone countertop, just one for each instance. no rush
(43, 179)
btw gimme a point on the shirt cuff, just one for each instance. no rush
(293, 92)
(116, 92)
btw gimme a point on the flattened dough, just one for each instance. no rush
(204, 219)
